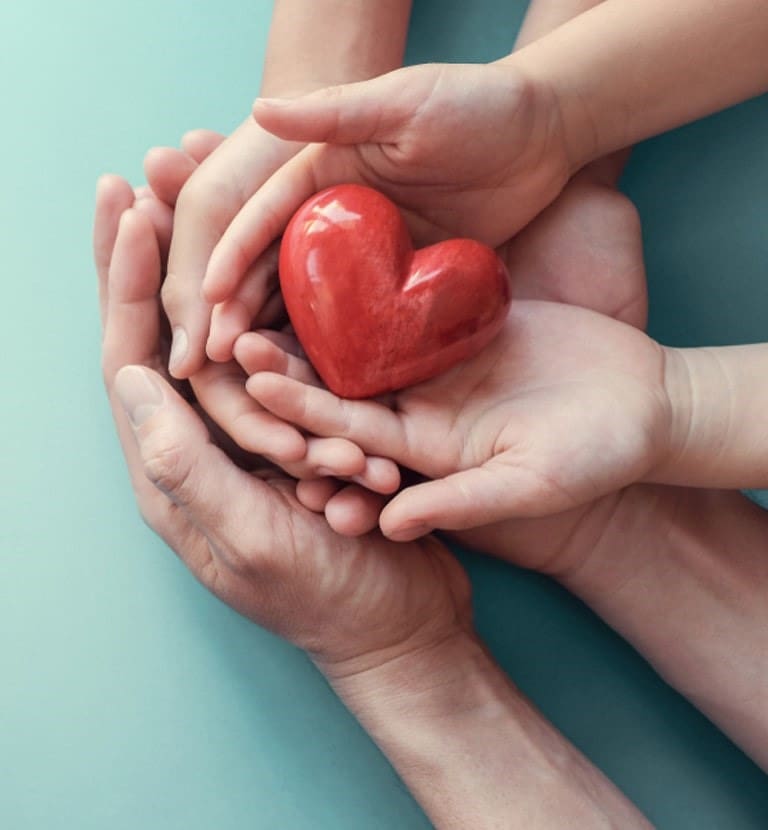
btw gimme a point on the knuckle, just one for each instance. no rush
(167, 466)
(204, 198)
(172, 293)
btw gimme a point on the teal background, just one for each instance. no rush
(129, 697)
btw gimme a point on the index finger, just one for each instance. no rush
(206, 205)
(266, 214)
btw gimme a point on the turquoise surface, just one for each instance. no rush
(129, 697)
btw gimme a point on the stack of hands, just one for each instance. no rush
(571, 445)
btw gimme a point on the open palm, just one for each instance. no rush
(564, 406)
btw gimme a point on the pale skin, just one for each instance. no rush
(564, 406)
(682, 582)
(645, 560)
(389, 625)
(585, 249)
(677, 598)
(410, 145)
(480, 150)
(208, 182)
(366, 39)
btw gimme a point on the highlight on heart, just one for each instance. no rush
(372, 313)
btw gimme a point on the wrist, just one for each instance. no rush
(572, 118)
(364, 39)
(678, 386)
(432, 680)
(472, 749)
(717, 434)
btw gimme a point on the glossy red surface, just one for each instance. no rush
(372, 314)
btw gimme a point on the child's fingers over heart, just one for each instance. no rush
(236, 316)
(273, 351)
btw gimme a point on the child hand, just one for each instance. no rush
(475, 150)
(207, 192)
(585, 249)
(564, 406)
(219, 388)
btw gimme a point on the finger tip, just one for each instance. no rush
(282, 444)
(128, 219)
(346, 522)
(217, 349)
(210, 291)
(107, 180)
(159, 153)
(384, 473)
(404, 534)
(112, 187)
(402, 528)
(181, 368)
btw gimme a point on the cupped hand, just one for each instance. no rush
(564, 406)
(585, 249)
(220, 388)
(463, 150)
(350, 603)
(230, 170)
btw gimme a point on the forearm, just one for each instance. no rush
(624, 71)
(473, 751)
(543, 16)
(317, 44)
(718, 435)
(683, 576)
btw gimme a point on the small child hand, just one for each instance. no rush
(470, 150)
(564, 406)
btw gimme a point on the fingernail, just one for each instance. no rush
(272, 102)
(139, 395)
(179, 346)
(409, 532)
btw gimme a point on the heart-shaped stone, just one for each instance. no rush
(372, 314)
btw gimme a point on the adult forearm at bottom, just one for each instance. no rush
(683, 576)
(473, 751)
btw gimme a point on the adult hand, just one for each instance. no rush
(211, 194)
(220, 388)
(388, 624)
(242, 533)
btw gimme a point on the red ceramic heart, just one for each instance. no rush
(372, 314)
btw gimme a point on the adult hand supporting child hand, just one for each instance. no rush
(219, 388)
(563, 407)
(388, 624)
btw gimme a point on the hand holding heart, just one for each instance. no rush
(564, 406)
(464, 151)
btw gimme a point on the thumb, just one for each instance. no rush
(180, 460)
(471, 498)
(368, 111)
